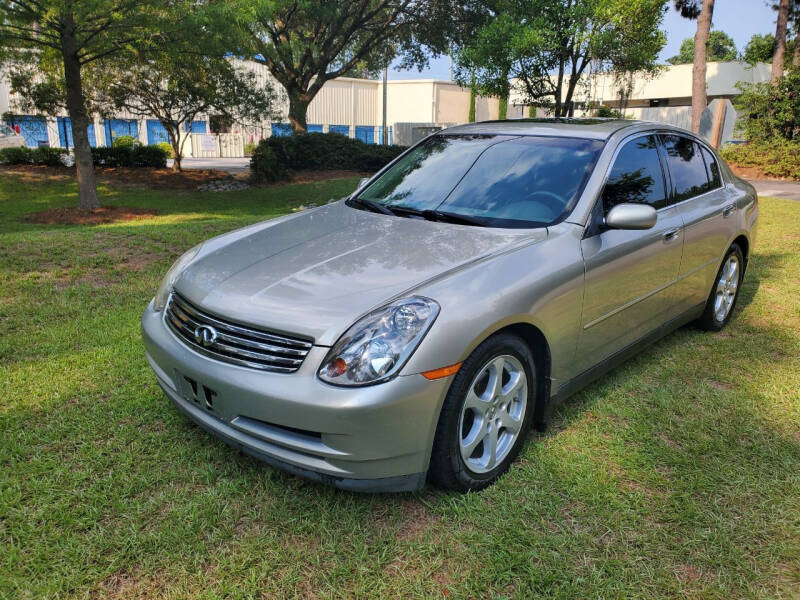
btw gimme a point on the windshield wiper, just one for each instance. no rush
(448, 217)
(441, 216)
(372, 206)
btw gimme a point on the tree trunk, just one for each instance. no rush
(502, 107)
(298, 107)
(699, 97)
(796, 56)
(76, 106)
(559, 87)
(779, 55)
(472, 99)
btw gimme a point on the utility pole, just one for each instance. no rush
(385, 95)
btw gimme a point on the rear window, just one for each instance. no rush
(686, 166)
(504, 181)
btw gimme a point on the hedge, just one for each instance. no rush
(130, 156)
(274, 156)
(778, 158)
(51, 157)
(120, 156)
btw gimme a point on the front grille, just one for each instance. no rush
(233, 343)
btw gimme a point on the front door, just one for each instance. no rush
(629, 275)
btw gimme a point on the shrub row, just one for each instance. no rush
(124, 156)
(130, 156)
(51, 157)
(778, 158)
(274, 156)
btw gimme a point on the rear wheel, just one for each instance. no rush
(486, 415)
(725, 292)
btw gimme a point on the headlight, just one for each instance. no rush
(377, 346)
(160, 301)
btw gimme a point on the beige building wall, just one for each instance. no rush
(675, 82)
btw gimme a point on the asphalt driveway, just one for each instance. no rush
(789, 190)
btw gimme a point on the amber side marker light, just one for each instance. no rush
(442, 372)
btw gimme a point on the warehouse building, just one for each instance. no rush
(414, 108)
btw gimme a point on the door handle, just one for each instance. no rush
(671, 234)
(728, 210)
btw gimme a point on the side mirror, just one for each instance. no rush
(631, 216)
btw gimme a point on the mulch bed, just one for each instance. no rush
(74, 216)
(148, 177)
(754, 173)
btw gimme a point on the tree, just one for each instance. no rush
(306, 43)
(176, 86)
(759, 48)
(719, 47)
(63, 38)
(543, 47)
(702, 11)
(781, 26)
(770, 111)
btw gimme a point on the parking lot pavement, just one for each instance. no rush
(779, 189)
(231, 165)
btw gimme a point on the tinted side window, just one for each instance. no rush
(636, 176)
(713, 169)
(686, 166)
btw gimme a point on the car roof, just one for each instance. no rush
(593, 128)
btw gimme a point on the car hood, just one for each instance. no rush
(314, 273)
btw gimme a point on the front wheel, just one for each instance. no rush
(486, 415)
(725, 292)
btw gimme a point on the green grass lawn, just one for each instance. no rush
(676, 475)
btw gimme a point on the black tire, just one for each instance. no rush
(709, 321)
(447, 467)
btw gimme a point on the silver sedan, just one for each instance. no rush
(418, 329)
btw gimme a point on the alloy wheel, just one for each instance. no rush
(493, 413)
(727, 285)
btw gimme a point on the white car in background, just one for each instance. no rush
(10, 138)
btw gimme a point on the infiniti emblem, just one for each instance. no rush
(205, 335)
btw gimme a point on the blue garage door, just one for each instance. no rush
(314, 128)
(380, 135)
(156, 132)
(65, 133)
(342, 129)
(33, 129)
(365, 133)
(118, 127)
(280, 129)
(196, 127)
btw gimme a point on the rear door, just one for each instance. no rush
(706, 208)
(630, 275)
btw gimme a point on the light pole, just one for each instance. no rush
(385, 94)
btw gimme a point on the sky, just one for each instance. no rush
(738, 18)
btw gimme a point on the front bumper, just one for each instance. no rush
(374, 438)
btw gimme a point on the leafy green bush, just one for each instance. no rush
(265, 164)
(50, 157)
(321, 151)
(167, 148)
(249, 149)
(770, 111)
(778, 158)
(606, 112)
(125, 141)
(132, 156)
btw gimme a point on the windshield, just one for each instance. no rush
(494, 180)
